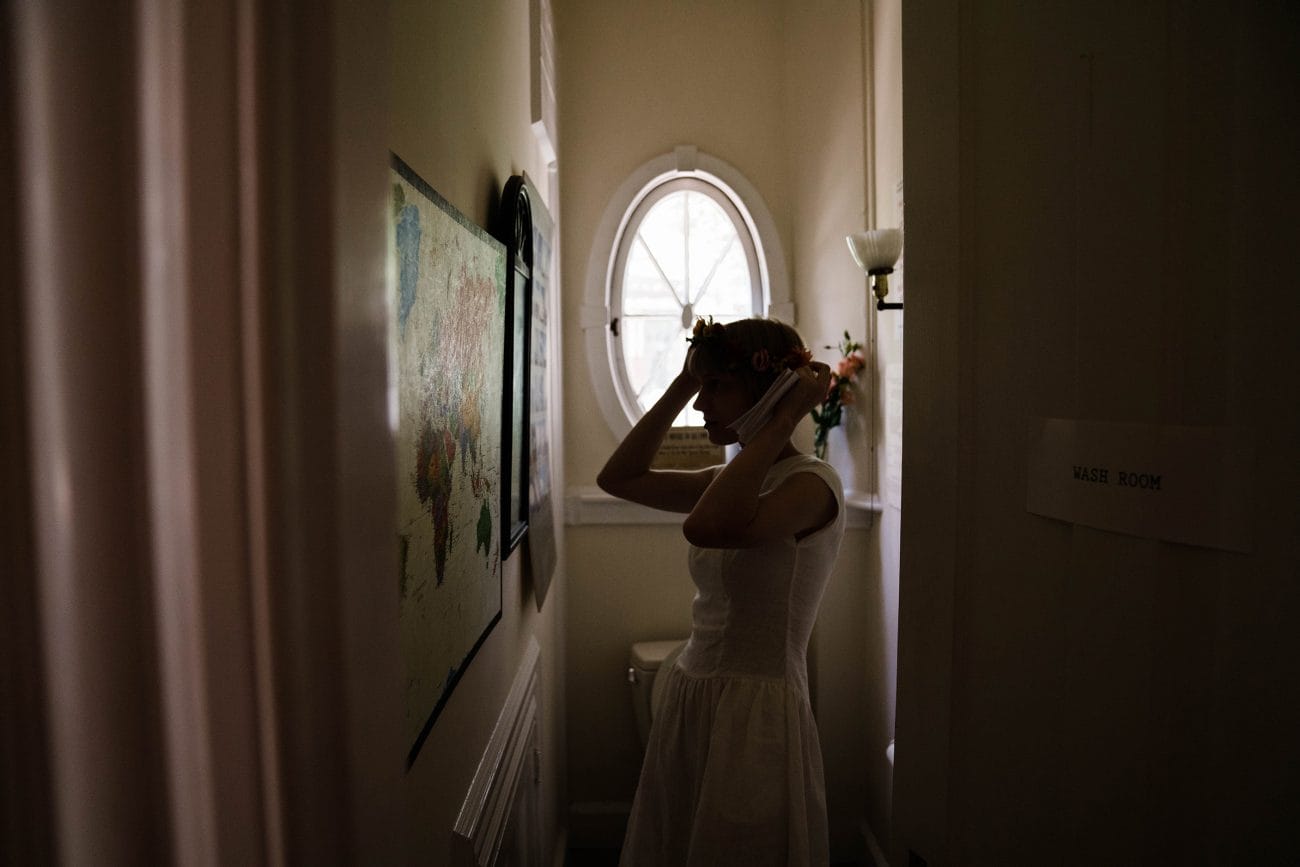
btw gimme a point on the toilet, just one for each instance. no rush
(646, 660)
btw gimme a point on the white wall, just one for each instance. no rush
(1101, 225)
(775, 89)
(880, 632)
(460, 118)
(824, 126)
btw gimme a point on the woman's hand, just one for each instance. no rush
(811, 389)
(686, 375)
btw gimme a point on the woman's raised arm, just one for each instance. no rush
(627, 473)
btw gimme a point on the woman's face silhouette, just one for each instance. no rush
(723, 398)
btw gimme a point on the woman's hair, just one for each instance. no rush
(755, 350)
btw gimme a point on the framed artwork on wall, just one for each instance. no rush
(449, 347)
(540, 541)
(515, 231)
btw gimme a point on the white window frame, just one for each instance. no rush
(617, 402)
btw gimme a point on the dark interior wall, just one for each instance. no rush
(1100, 224)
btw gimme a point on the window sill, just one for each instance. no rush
(590, 506)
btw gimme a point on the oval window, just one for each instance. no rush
(686, 250)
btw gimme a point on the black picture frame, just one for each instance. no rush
(514, 229)
(539, 544)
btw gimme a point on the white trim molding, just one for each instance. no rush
(503, 795)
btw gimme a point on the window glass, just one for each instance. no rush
(686, 251)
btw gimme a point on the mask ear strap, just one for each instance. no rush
(752, 420)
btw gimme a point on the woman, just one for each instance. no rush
(733, 772)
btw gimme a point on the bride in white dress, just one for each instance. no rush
(733, 769)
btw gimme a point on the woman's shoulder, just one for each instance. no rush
(802, 463)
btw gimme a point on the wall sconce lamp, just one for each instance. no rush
(876, 251)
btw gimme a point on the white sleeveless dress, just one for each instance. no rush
(733, 769)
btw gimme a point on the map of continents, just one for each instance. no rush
(449, 337)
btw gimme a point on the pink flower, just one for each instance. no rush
(849, 365)
(840, 391)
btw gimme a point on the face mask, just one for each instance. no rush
(753, 419)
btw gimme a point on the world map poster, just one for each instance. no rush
(450, 350)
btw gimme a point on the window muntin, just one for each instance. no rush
(685, 251)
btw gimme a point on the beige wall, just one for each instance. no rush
(460, 118)
(1101, 225)
(880, 628)
(775, 89)
(824, 128)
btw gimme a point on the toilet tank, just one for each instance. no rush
(645, 661)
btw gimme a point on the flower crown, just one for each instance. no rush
(712, 337)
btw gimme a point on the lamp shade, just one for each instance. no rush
(876, 249)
